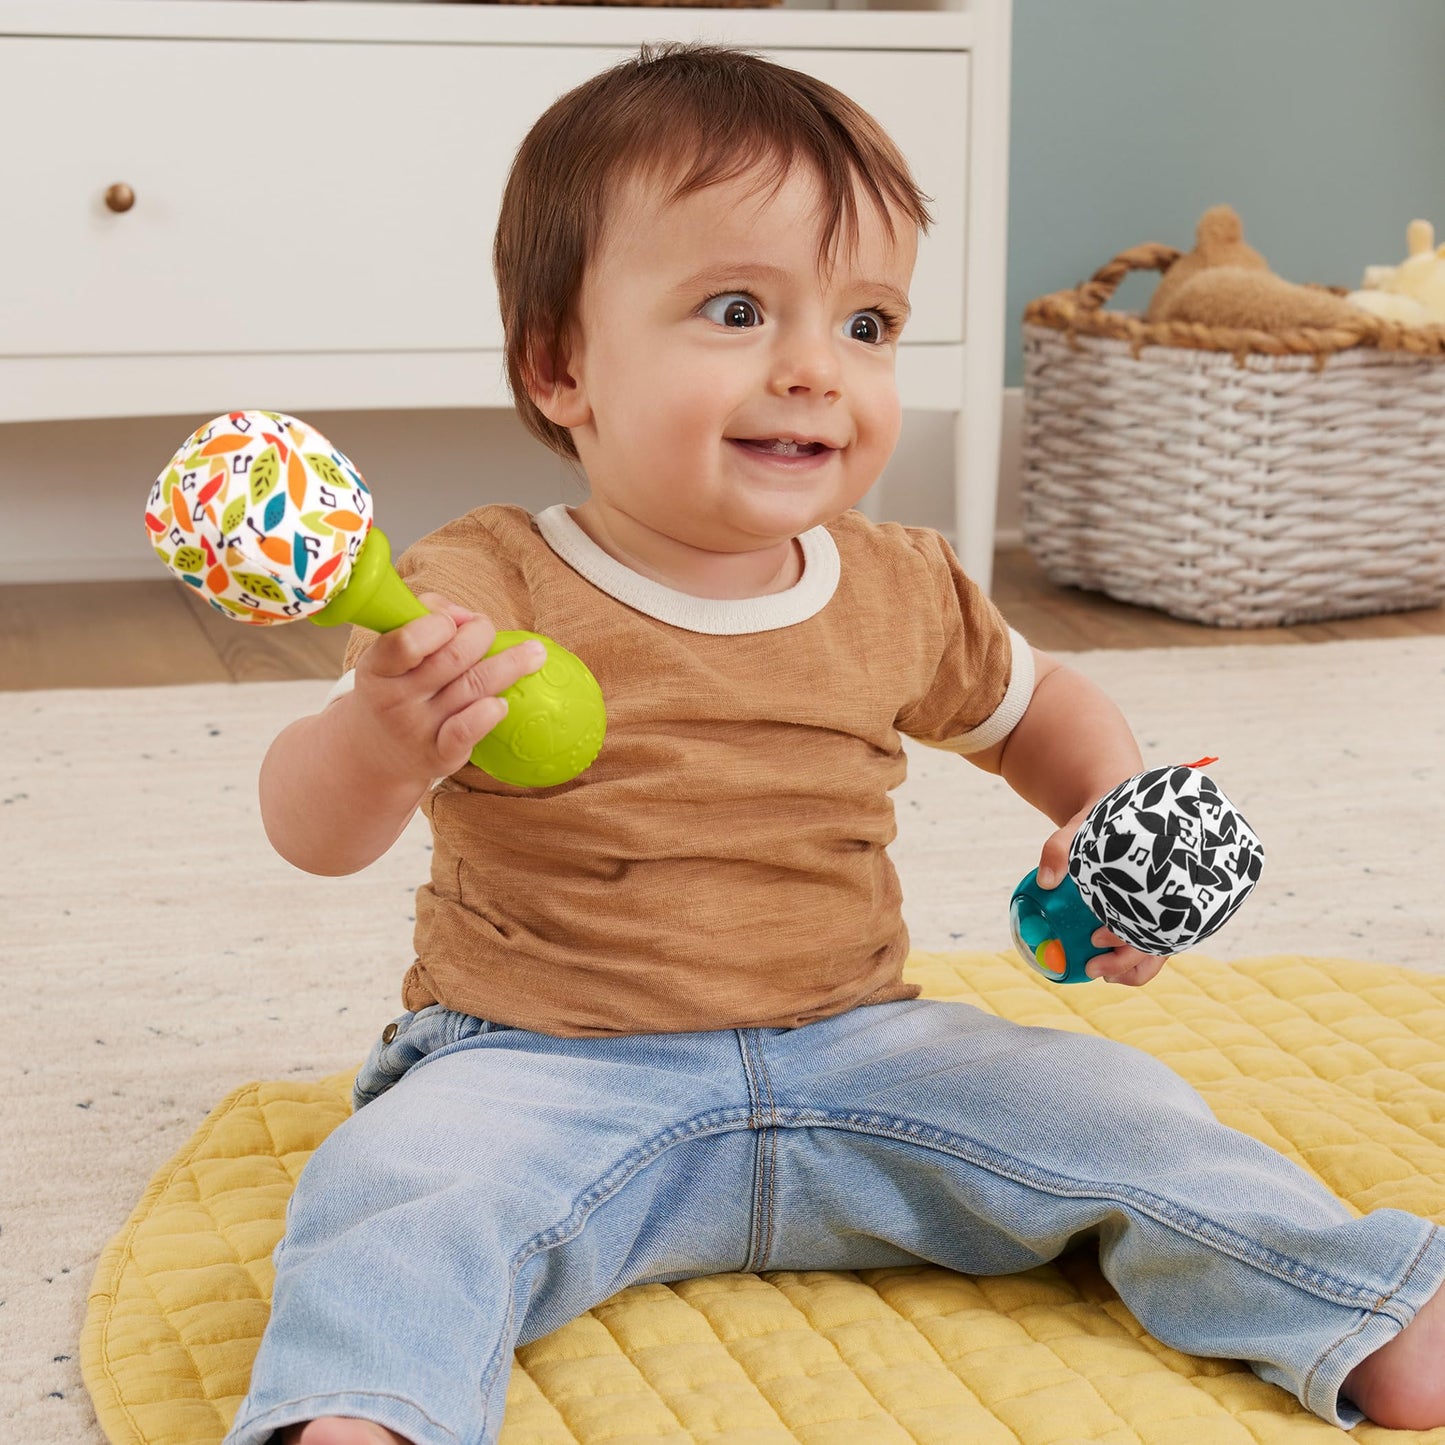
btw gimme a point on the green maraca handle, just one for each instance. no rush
(374, 595)
(556, 721)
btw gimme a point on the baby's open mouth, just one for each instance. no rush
(782, 447)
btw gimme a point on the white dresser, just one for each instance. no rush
(209, 201)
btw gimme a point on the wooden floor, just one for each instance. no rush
(137, 634)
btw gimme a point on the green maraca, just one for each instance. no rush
(270, 523)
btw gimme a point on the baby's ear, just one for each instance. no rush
(554, 390)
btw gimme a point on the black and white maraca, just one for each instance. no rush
(1163, 861)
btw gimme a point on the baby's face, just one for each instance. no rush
(731, 396)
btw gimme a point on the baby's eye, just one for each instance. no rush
(872, 327)
(732, 309)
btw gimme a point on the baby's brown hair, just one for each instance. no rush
(699, 115)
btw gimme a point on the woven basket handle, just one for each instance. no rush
(1152, 256)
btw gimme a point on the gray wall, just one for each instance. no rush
(1321, 121)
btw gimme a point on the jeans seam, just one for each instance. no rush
(771, 1135)
(1162, 1210)
(760, 1230)
(1371, 1310)
(714, 1121)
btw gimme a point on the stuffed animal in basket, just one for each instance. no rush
(1413, 292)
(1226, 282)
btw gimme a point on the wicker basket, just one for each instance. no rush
(1238, 478)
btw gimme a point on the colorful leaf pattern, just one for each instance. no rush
(261, 515)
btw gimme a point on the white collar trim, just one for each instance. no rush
(721, 616)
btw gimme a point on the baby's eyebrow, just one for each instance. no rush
(741, 272)
(891, 293)
(732, 272)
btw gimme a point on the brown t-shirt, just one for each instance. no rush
(722, 864)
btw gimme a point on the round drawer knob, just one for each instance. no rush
(119, 197)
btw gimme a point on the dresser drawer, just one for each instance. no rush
(310, 197)
(288, 196)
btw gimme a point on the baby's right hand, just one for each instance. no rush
(427, 693)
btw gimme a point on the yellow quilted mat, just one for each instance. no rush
(1340, 1065)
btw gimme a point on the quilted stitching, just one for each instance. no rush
(1339, 1065)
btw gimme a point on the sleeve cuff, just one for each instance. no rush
(343, 685)
(1005, 717)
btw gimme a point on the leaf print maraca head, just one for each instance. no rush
(261, 515)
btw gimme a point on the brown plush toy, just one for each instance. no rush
(1225, 282)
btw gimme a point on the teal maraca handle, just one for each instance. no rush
(1053, 929)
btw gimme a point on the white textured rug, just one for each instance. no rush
(154, 953)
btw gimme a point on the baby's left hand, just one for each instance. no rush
(1124, 963)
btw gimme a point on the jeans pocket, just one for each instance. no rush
(405, 1042)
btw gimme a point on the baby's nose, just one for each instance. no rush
(807, 362)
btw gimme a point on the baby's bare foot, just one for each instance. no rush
(1402, 1385)
(337, 1430)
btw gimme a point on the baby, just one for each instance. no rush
(657, 1023)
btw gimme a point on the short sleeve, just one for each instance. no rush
(984, 675)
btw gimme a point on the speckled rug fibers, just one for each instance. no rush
(154, 953)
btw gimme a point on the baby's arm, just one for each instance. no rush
(337, 788)
(1071, 746)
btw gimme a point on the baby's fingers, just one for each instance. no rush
(489, 676)
(435, 602)
(394, 654)
(462, 731)
(1122, 964)
(1054, 856)
(471, 704)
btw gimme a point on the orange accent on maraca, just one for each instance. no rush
(218, 579)
(1050, 954)
(346, 521)
(276, 550)
(296, 479)
(327, 568)
(1203, 762)
(223, 444)
(183, 515)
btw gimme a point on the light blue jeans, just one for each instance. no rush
(498, 1183)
